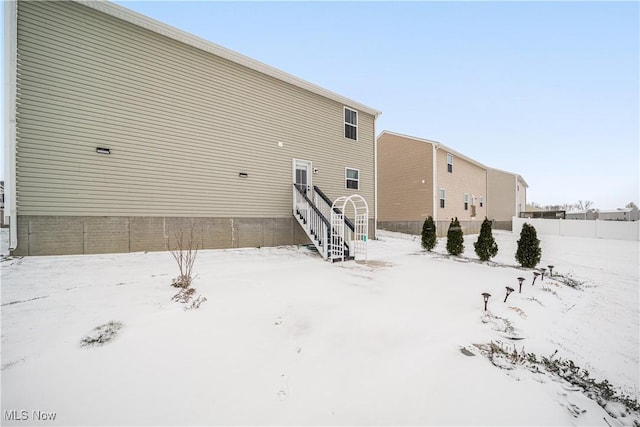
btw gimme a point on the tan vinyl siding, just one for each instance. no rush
(181, 124)
(501, 197)
(403, 164)
(467, 177)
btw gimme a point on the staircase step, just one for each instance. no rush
(311, 247)
(346, 258)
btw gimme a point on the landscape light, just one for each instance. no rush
(520, 280)
(535, 276)
(542, 270)
(550, 270)
(509, 290)
(486, 296)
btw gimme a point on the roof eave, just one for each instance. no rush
(438, 145)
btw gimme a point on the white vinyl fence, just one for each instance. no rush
(616, 230)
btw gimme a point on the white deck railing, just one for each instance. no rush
(332, 233)
(314, 223)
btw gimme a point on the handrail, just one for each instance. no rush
(328, 201)
(314, 223)
(313, 206)
(322, 195)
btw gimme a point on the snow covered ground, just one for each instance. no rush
(287, 338)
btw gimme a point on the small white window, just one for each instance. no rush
(466, 201)
(449, 162)
(481, 201)
(350, 123)
(352, 179)
(442, 197)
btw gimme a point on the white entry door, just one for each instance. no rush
(302, 175)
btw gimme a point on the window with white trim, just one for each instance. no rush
(350, 123)
(466, 201)
(481, 201)
(449, 162)
(442, 197)
(352, 179)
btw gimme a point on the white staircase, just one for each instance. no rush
(313, 222)
(334, 235)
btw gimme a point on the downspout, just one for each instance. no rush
(486, 193)
(526, 190)
(516, 188)
(10, 81)
(375, 179)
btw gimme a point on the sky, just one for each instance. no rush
(549, 90)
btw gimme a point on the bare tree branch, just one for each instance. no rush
(185, 254)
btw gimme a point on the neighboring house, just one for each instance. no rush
(506, 196)
(122, 131)
(531, 208)
(620, 214)
(539, 213)
(589, 214)
(418, 178)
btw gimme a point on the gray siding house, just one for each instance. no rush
(620, 214)
(121, 130)
(589, 214)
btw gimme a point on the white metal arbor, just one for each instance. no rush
(356, 239)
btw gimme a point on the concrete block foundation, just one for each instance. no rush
(70, 235)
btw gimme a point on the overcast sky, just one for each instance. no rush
(549, 90)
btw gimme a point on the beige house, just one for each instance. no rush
(506, 196)
(418, 178)
(121, 131)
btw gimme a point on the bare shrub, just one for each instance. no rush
(185, 254)
(569, 281)
(187, 296)
(184, 295)
(602, 392)
(196, 303)
(546, 289)
(519, 311)
(102, 334)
